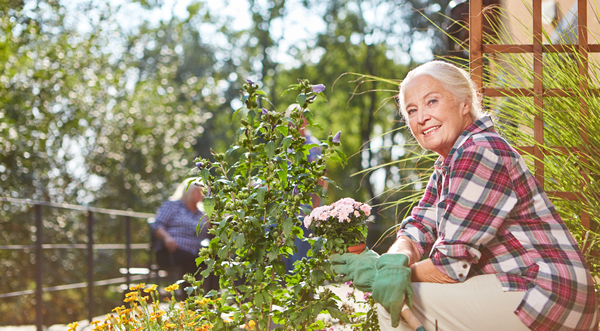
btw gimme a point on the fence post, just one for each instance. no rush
(39, 317)
(90, 263)
(128, 248)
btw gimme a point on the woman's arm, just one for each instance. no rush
(423, 271)
(163, 235)
(403, 245)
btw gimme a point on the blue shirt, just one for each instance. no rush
(180, 222)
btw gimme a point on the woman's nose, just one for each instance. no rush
(423, 116)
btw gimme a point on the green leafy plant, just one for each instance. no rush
(254, 203)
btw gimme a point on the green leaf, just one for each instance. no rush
(286, 142)
(251, 115)
(258, 299)
(231, 149)
(317, 276)
(337, 314)
(259, 274)
(309, 116)
(260, 196)
(282, 173)
(240, 240)
(245, 97)
(301, 99)
(342, 156)
(322, 95)
(287, 226)
(283, 129)
(273, 253)
(236, 111)
(270, 149)
(209, 206)
(205, 175)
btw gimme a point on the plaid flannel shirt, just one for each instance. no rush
(180, 222)
(483, 212)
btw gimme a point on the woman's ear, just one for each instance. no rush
(466, 106)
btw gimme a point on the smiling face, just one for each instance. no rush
(435, 117)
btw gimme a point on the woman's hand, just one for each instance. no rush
(166, 238)
(170, 244)
(358, 268)
(392, 286)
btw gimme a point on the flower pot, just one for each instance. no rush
(357, 249)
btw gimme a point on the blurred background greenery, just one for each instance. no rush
(106, 103)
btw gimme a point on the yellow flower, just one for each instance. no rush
(151, 288)
(169, 326)
(73, 326)
(118, 309)
(137, 287)
(172, 288)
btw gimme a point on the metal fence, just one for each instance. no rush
(90, 247)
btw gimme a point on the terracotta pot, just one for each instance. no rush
(357, 249)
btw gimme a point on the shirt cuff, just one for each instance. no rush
(456, 268)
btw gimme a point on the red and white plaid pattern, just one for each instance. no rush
(483, 212)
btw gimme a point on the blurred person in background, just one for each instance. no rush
(178, 243)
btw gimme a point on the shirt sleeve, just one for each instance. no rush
(420, 227)
(165, 215)
(479, 198)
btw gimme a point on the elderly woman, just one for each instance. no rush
(175, 227)
(485, 248)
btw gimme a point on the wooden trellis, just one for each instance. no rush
(477, 48)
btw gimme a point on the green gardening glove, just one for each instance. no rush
(392, 284)
(358, 268)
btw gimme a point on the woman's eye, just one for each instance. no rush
(411, 111)
(432, 102)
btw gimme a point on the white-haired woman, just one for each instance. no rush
(485, 248)
(175, 227)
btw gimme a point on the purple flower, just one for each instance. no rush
(208, 192)
(318, 88)
(200, 165)
(265, 111)
(336, 138)
(249, 81)
(295, 191)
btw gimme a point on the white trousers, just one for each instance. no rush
(477, 304)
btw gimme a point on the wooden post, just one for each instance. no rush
(39, 284)
(90, 265)
(538, 90)
(582, 33)
(128, 248)
(475, 42)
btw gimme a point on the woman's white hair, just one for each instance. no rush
(454, 79)
(184, 189)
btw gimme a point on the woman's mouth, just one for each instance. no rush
(431, 130)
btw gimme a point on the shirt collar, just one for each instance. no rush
(480, 125)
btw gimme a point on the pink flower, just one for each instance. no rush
(366, 209)
(356, 213)
(367, 295)
(307, 221)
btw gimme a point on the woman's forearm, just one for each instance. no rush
(404, 245)
(425, 272)
(166, 238)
